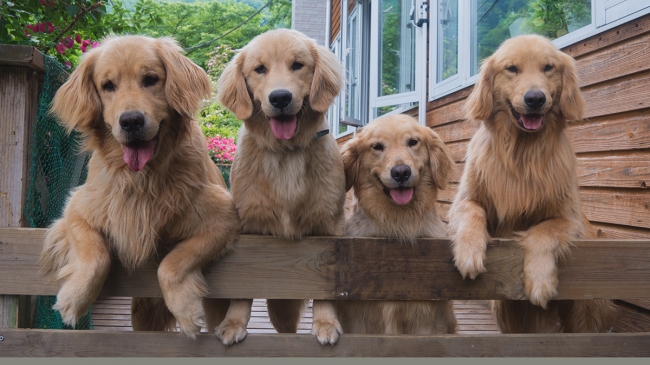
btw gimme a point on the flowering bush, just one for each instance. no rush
(215, 120)
(221, 149)
(54, 26)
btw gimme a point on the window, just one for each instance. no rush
(334, 112)
(467, 32)
(383, 52)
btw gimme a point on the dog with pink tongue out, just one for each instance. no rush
(287, 177)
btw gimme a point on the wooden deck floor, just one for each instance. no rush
(114, 314)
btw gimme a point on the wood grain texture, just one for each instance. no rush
(630, 170)
(620, 232)
(627, 131)
(457, 131)
(622, 59)
(357, 268)
(446, 114)
(620, 95)
(24, 56)
(610, 37)
(59, 343)
(629, 208)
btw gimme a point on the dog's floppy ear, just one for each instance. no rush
(439, 158)
(77, 104)
(187, 85)
(351, 160)
(572, 104)
(328, 79)
(479, 105)
(231, 88)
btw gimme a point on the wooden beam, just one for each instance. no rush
(357, 268)
(69, 343)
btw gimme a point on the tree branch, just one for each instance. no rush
(83, 12)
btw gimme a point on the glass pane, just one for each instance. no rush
(447, 39)
(396, 47)
(497, 20)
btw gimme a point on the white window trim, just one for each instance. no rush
(416, 96)
(463, 80)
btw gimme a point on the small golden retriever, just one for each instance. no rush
(152, 192)
(396, 167)
(520, 182)
(287, 178)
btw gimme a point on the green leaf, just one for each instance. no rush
(72, 9)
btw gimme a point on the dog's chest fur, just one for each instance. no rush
(289, 193)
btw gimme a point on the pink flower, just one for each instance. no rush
(78, 38)
(68, 65)
(84, 45)
(60, 48)
(67, 42)
(48, 3)
(49, 27)
(41, 27)
(95, 45)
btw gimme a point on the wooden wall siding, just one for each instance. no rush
(335, 19)
(612, 142)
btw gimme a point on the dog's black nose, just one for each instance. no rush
(400, 173)
(280, 98)
(535, 99)
(131, 121)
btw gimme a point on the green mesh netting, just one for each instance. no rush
(56, 168)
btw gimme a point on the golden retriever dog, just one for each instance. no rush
(396, 167)
(152, 192)
(287, 178)
(520, 182)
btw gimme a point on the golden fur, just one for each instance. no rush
(287, 187)
(375, 214)
(520, 182)
(175, 209)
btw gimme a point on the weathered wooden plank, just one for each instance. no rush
(628, 170)
(457, 131)
(631, 319)
(457, 149)
(622, 95)
(446, 114)
(357, 268)
(609, 231)
(58, 343)
(630, 208)
(610, 37)
(24, 56)
(628, 131)
(615, 61)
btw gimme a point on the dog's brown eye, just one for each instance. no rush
(296, 66)
(413, 142)
(260, 69)
(150, 80)
(548, 68)
(109, 86)
(512, 69)
(378, 147)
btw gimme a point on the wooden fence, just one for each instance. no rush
(343, 269)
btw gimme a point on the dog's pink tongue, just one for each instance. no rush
(532, 122)
(401, 196)
(137, 156)
(284, 127)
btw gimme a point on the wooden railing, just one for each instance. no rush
(343, 269)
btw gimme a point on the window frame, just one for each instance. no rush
(464, 79)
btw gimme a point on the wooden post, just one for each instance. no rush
(22, 69)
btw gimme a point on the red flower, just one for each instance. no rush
(68, 42)
(60, 48)
(78, 38)
(68, 65)
(48, 3)
(49, 27)
(41, 27)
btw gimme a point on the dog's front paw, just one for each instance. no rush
(68, 306)
(327, 332)
(231, 331)
(469, 254)
(190, 319)
(540, 279)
